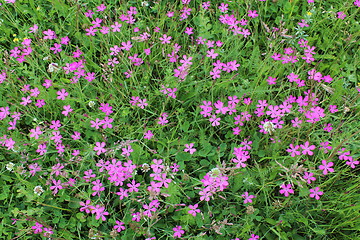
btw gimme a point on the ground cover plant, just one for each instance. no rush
(179, 119)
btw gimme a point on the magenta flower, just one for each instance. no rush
(38, 228)
(193, 209)
(309, 177)
(34, 29)
(212, 54)
(123, 193)
(178, 232)
(252, 14)
(133, 186)
(286, 190)
(99, 147)
(189, 148)
(49, 34)
(293, 150)
(101, 8)
(189, 31)
(56, 187)
(247, 197)
(26, 100)
(100, 212)
(215, 121)
(62, 94)
(67, 110)
(119, 226)
(170, 14)
(35, 132)
(56, 48)
(165, 39)
(97, 188)
(127, 151)
(96, 124)
(316, 193)
(307, 149)
(341, 15)
(326, 167)
(85, 206)
(254, 237)
(271, 80)
(327, 127)
(142, 103)
(148, 135)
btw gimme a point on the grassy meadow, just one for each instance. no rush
(178, 119)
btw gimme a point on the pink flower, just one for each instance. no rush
(247, 197)
(101, 8)
(211, 53)
(62, 94)
(56, 187)
(67, 110)
(148, 135)
(293, 150)
(35, 132)
(194, 209)
(254, 237)
(49, 34)
(178, 232)
(357, 3)
(34, 29)
(286, 190)
(215, 121)
(205, 5)
(127, 151)
(252, 14)
(326, 167)
(307, 149)
(309, 177)
(99, 148)
(223, 7)
(165, 39)
(271, 80)
(341, 15)
(119, 226)
(38, 228)
(316, 193)
(189, 31)
(189, 148)
(100, 212)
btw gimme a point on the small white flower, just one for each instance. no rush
(145, 167)
(269, 127)
(215, 172)
(38, 190)
(91, 104)
(10, 166)
(144, 3)
(53, 67)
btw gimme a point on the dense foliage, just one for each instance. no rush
(179, 119)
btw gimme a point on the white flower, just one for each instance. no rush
(10, 166)
(91, 104)
(38, 190)
(53, 67)
(269, 127)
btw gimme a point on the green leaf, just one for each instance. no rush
(81, 217)
(185, 126)
(183, 156)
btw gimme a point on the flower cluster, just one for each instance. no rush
(214, 181)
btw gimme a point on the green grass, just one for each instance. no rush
(266, 164)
